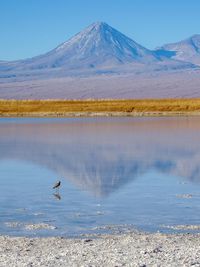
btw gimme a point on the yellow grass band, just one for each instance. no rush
(98, 107)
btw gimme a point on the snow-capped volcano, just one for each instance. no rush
(101, 62)
(98, 48)
(100, 43)
(97, 45)
(187, 50)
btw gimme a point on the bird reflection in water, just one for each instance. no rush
(57, 196)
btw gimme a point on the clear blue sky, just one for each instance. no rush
(32, 27)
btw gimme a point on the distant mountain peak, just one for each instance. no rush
(187, 50)
(195, 36)
(195, 42)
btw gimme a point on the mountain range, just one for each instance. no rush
(97, 50)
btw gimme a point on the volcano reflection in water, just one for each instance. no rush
(101, 156)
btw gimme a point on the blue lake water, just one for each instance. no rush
(132, 172)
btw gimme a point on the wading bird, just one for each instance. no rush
(57, 185)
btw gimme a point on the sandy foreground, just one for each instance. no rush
(132, 249)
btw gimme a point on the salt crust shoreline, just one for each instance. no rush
(130, 249)
(98, 114)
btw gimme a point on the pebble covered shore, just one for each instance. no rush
(132, 249)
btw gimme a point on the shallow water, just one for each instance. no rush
(141, 172)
